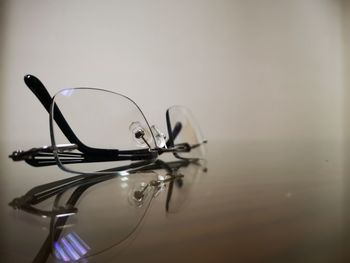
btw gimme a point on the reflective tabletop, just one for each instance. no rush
(255, 202)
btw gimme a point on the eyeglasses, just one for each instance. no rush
(80, 228)
(91, 129)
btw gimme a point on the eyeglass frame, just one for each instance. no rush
(89, 154)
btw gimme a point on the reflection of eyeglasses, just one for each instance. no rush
(43, 192)
(74, 225)
(92, 128)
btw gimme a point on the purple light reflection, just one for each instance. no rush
(70, 248)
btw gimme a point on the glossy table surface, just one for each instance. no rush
(257, 202)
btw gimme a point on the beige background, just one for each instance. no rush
(249, 70)
(346, 12)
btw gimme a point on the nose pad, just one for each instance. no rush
(158, 136)
(139, 194)
(160, 188)
(140, 135)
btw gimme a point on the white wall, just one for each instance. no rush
(250, 70)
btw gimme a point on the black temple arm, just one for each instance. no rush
(173, 132)
(45, 156)
(39, 90)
